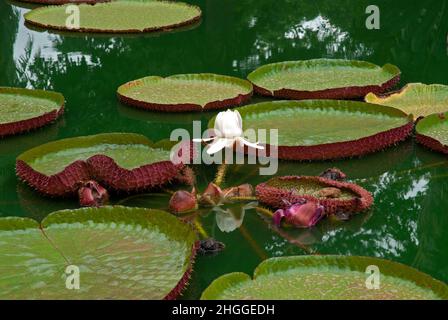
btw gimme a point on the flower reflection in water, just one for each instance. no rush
(230, 216)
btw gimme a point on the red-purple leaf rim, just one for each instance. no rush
(186, 92)
(281, 192)
(118, 161)
(118, 253)
(323, 79)
(23, 110)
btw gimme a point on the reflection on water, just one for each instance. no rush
(409, 219)
(322, 30)
(230, 217)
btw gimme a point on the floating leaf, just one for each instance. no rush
(55, 2)
(432, 132)
(326, 129)
(118, 16)
(323, 79)
(186, 92)
(121, 253)
(417, 99)
(326, 278)
(122, 161)
(22, 110)
(351, 198)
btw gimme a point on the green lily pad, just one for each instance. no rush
(186, 92)
(432, 131)
(327, 278)
(326, 129)
(118, 16)
(24, 109)
(122, 161)
(57, 2)
(417, 99)
(129, 151)
(323, 78)
(121, 253)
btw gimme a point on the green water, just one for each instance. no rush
(409, 221)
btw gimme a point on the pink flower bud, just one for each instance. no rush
(212, 195)
(182, 202)
(300, 215)
(92, 194)
(244, 190)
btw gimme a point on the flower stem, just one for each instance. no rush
(220, 175)
(242, 198)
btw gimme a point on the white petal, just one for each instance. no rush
(204, 140)
(217, 146)
(218, 126)
(250, 144)
(240, 120)
(227, 125)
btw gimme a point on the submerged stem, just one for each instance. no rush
(198, 225)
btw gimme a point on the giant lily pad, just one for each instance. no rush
(326, 278)
(121, 253)
(323, 79)
(54, 2)
(22, 110)
(129, 16)
(432, 132)
(351, 198)
(122, 161)
(326, 129)
(186, 92)
(417, 99)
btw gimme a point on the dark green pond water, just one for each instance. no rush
(409, 221)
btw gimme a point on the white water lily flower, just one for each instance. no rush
(229, 131)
